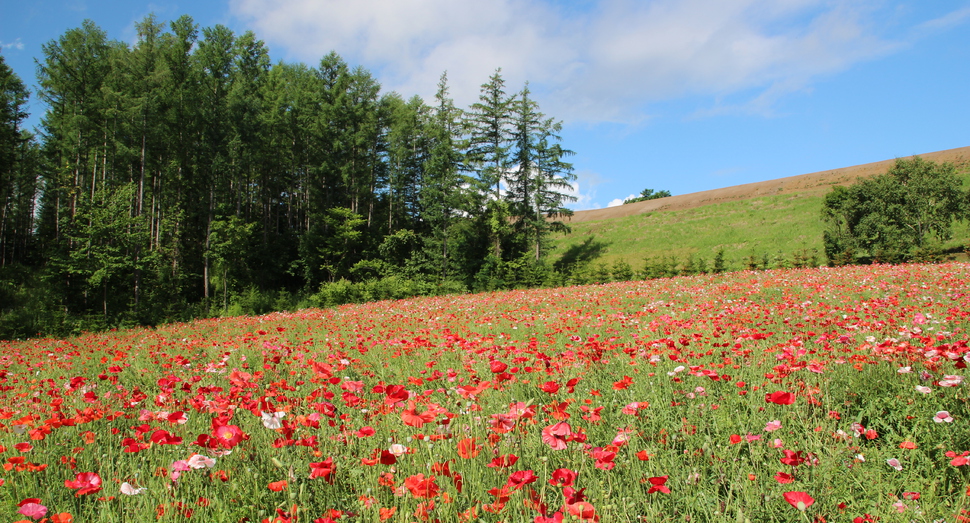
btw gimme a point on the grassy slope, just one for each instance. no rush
(773, 225)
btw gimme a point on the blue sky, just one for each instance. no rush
(682, 95)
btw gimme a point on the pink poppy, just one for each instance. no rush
(943, 417)
(557, 435)
(32, 508)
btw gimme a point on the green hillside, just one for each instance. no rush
(775, 226)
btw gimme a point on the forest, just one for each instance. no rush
(188, 175)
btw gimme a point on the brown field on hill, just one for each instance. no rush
(806, 184)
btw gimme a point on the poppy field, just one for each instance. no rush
(788, 395)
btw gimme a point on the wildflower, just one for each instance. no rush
(658, 484)
(784, 478)
(323, 469)
(604, 458)
(583, 510)
(85, 482)
(557, 435)
(521, 478)
(272, 420)
(951, 380)
(563, 478)
(228, 436)
(894, 463)
(130, 490)
(793, 458)
(780, 398)
(198, 461)
(32, 508)
(550, 387)
(421, 487)
(413, 418)
(799, 500)
(943, 416)
(467, 449)
(772, 426)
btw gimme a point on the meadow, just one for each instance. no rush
(775, 227)
(785, 395)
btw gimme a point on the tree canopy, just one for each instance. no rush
(186, 169)
(901, 215)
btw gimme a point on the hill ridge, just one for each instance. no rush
(819, 181)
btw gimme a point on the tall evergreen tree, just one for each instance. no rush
(18, 178)
(443, 194)
(489, 130)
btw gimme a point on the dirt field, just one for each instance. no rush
(805, 183)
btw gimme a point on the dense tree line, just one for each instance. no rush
(178, 174)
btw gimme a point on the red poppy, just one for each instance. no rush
(323, 469)
(521, 478)
(799, 500)
(550, 386)
(658, 484)
(467, 449)
(421, 487)
(563, 478)
(583, 510)
(780, 398)
(85, 482)
(413, 418)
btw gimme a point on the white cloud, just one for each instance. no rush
(618, 201)
(606, 64)
(584, 190)
(16, 44)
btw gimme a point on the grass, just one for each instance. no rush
(769, 226)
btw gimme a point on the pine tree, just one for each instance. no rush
(18, 182)
(443, 194)
(540, 180)
(489, 129)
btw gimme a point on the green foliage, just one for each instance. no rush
(622, 271)
(344, 291)
(648, 194)
(892, 217)
(719, 266)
